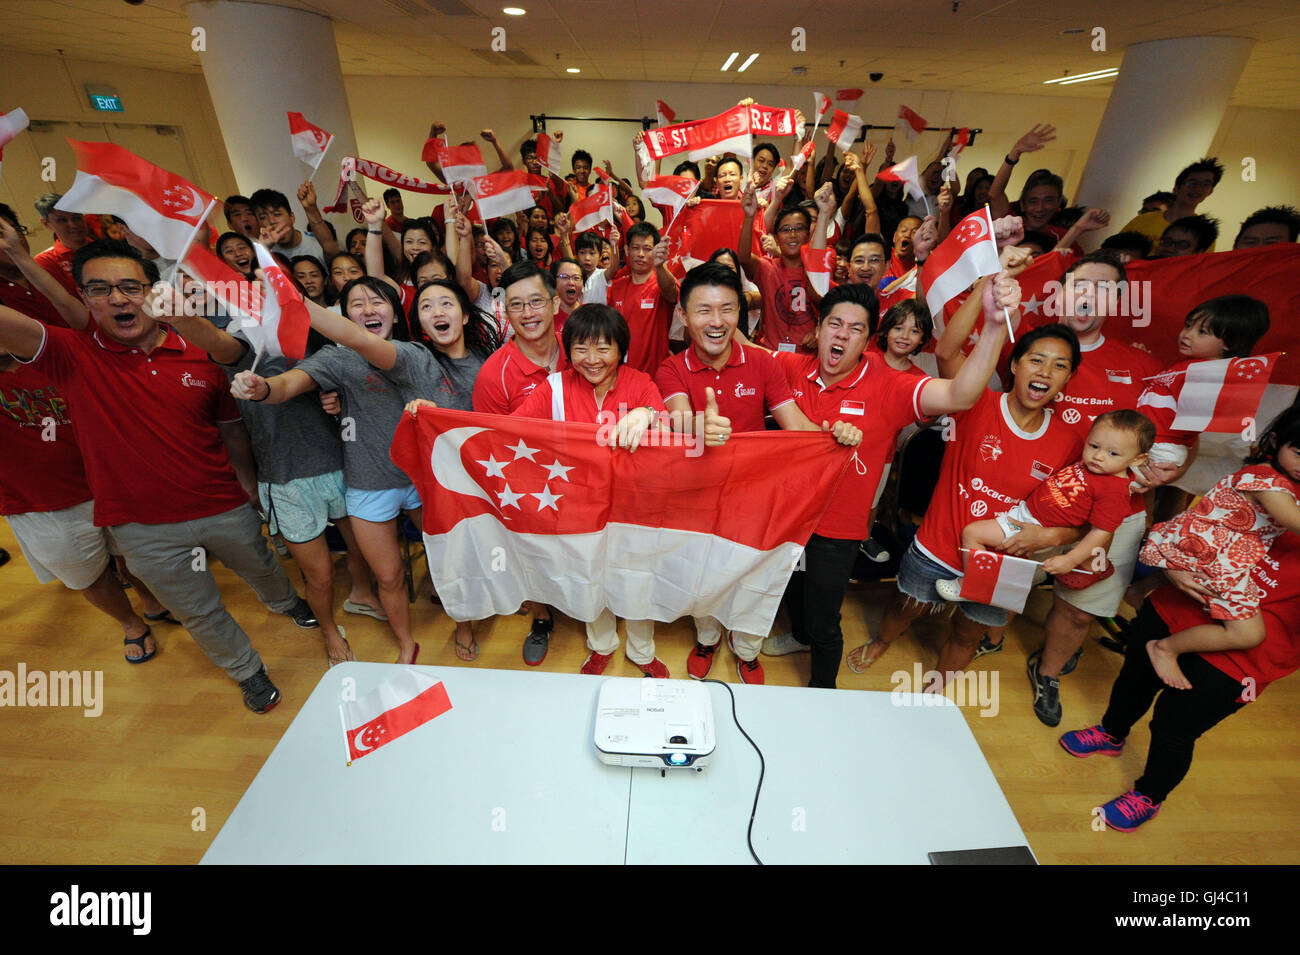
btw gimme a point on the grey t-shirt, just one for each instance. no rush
(455, 382)
(296, 439)
(372, 401)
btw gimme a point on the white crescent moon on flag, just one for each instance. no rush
(196, 204)
(983, 228)
(358, 743)
(449, 470)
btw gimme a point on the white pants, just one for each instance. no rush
(602, 637)
(708, 632)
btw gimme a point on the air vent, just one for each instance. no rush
(422, 8)
(516, 57)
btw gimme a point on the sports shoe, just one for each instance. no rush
(1072, 663)
(538, 641)
(750, 671)
(654, 669)
(595, 663)
(948, 589)
(1125, 813)
(779, 644)
(872, 551)
(1094, 741)
(700, 660)
(260, 694)
(988, 646)
(1047, 692)
(302, 614)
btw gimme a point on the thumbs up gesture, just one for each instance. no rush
(716, 428)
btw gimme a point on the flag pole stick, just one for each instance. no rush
(669, 227)
(189, 240)
(347, 753)
(320, 159)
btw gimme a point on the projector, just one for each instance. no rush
(662, 724)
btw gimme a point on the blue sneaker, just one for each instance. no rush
(1125, 813)
(1093, 741)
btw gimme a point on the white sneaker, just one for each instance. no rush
(779, 644)
(949, 589)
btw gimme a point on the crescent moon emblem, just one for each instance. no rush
(449, 470)
(359, 744)
(196, 204)
(983, 228)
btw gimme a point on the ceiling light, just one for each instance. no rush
(744, 66)
(1085, 79)
(513, 11)
(731, 59)
(573, 69)
(1080, 77)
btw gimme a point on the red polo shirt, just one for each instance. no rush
(877, 400)
(57, 260)
(749, 382)
(576, 400)
(507, 378)
(30, 303)
(649, 316)
(40, 462)
(1109, 378)
(147, 426)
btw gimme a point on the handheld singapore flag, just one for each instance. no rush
(392, 709)
(285, 319)
(308, 140)
(160, 207)
(1223, 395)
(653, 535)
(969, 253)
(11, 124)
(844, 128)
(502, 193)
(460, 163)
(998, 580)
(589, 213)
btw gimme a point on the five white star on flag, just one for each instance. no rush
(557, 471)
(509, 498)
(522, 450)
(494, 467)
(546, 498)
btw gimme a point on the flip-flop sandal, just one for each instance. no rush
(139, 642)
(365, 610)
(863, 669)
(472, 649)
(164, 617)
(333, 663)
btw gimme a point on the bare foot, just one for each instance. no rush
(1166, 665)
(406, 652)
(337, 649)
(868, 653)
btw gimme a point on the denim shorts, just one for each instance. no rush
(380, 506)
(299, 509)
(916, 576)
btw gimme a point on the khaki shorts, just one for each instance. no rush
(1103, 598)
(63, 545)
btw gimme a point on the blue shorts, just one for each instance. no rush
(299, 510)
(380, 506)
(916, 576)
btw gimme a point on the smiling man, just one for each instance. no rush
(1193, 186)
(70, 233)
(167, 458)
(644, 295)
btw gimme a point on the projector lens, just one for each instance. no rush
(678, 759)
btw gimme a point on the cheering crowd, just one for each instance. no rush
(154, 430)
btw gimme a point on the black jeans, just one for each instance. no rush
(814, 597)
(1181, 716)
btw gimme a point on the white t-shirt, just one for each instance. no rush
(308, 246)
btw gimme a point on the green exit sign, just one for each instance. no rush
(107, 104)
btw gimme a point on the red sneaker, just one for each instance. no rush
(655, 668)
(595, 663)
(750, 671)
(700, 660)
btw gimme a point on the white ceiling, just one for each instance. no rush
(995, 46)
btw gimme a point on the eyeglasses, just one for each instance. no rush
(792, 229)
(128, 287)
(22, 229)
(872, 260)
(536, 304)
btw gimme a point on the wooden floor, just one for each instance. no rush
(155, 776)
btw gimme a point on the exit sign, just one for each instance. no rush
(104, 99)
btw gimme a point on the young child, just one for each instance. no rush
(904, 331)
(1222, 538)
(1093, 490)
(1229, 326)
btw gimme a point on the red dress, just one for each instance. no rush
(1222, 538)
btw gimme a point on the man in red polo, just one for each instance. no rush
(159, 435)
(644, 295)
(514, 371)
(734, 385)
(70, 233)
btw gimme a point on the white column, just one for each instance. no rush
(262, 61)
(1167, 103)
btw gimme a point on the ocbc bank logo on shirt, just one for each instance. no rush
(189, 381)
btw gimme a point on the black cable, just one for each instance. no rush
(762, 769)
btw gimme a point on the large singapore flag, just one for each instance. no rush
(159, 206)
(522, 509)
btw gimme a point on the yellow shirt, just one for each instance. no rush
(1152, 225)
